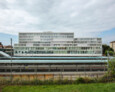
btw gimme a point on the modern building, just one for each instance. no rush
(56, 44)
(58, 55)
(112, 45)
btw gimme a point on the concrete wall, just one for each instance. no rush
(54, 76)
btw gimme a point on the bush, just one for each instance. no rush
(106, 78)
(2, 82)
(85, 80)
(111, 68)
(80, 80)
(48, 82)
(25, 82)
(66, 81)
(59, 81)
(88, 80)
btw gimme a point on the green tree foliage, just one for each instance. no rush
(111, 53)
(107, 49)
(111, 68)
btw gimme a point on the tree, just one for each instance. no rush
(111, 68)
(111, 53)
(107, 49)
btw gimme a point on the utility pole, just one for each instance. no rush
(108, 65)
(11, 58)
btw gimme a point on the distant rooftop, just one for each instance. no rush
(5, 47)
(46, 32)
(112, 42)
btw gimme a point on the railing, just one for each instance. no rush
(4, 54)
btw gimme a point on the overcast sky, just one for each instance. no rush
(86, 18)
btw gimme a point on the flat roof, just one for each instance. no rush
(46, 32)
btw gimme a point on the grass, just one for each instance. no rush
(96, 87)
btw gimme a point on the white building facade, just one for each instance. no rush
(56, 44)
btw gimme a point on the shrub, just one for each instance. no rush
(34, 82)
(106, 78)
(59, 81)
(111, 68)
(48, 82)
(80, 80)
(2, 82)
(85, 80)
(88, 80)
(25, 82)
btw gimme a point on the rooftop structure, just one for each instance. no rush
(56, 44)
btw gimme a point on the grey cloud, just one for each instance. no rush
(84, 17)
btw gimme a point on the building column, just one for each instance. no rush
(104, 67)
(85, 70)
(36, 71)
(90, 68)
(20, 68)
(63, 67)
(49, 68)
(76, 69)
